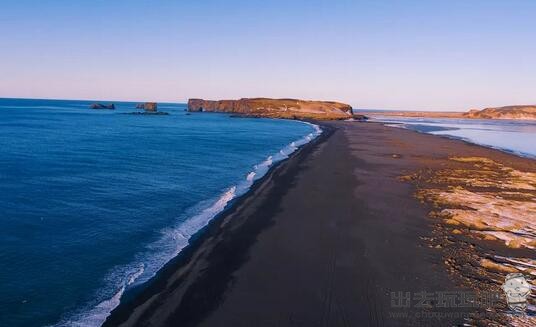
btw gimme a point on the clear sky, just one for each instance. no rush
(436, 55)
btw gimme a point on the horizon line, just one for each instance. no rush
(186, 102)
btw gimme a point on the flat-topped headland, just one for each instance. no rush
(276, 108)
(521, 112)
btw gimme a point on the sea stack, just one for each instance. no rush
(147, 106)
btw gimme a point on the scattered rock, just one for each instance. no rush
(491, 265)
(150, 113)
(102, 106)
(359, 117)
(406, 178)
(452, 222)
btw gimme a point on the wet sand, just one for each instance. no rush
(325, 239)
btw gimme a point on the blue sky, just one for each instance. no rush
(420, 55)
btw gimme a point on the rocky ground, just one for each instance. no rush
(485, 214)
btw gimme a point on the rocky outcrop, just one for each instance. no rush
(102, 106)
(147, 106)
(360, 117)
(507, 112)
(275, 108)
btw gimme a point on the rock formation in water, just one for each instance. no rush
(102, 106)
(275, 108)
(507, 112)
(147, 106)
(150, 108)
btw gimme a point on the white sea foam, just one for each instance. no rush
(251, 176)
(173, 240)
(98, 314)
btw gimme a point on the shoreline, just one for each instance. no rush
(137, 294)
(285, 229)
(440, 114)
(463, 139)
(98, 314)
(407, 125)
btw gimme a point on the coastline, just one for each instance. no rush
(201, 219)
(137, 295)
(466, 140)
(439, 129)
(324, 238)
(452, 114)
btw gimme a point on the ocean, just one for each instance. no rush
(513, 136)
(94, 202)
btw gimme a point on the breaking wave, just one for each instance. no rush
(172, 241)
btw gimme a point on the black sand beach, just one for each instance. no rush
(325, 239)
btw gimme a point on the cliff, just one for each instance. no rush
(508, 112)
(275, 108)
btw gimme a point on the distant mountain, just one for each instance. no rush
(507, 112)
(275, 108)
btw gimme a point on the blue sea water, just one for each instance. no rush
(94, 202)
(514, 136)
